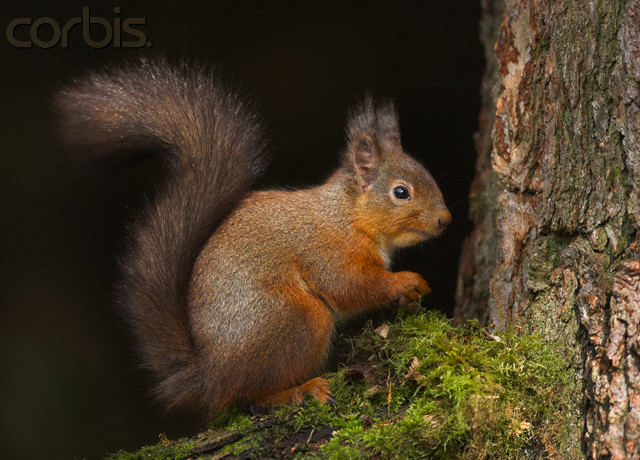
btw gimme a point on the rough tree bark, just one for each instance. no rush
(556, 201)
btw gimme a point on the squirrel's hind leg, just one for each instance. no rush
(297, 351)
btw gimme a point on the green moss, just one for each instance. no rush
(165, 449)
(471, 396)
(427, 390)
(231, 419)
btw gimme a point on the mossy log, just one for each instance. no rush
(413, 388)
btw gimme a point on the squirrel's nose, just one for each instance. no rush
(444, 219)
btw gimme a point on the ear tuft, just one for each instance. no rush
(387, 127)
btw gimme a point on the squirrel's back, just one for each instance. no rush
(213, 147)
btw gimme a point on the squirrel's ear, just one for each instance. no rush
(364, 163)
(362, 155)
(373, 138)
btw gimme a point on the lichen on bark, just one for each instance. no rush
(555, 250)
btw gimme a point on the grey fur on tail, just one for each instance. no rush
(212, 143)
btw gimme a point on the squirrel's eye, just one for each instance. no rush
(401, 192)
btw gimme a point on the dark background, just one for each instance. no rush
(68, 383)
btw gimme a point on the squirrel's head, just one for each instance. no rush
(397, 201)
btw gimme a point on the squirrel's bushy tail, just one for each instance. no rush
(214, 151)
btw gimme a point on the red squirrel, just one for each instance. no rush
(233, 294)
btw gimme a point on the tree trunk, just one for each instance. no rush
(556, 201)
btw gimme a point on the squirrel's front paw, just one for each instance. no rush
(415, 288)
